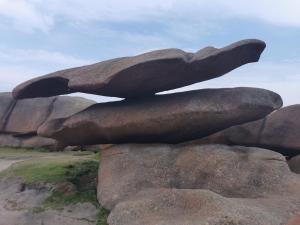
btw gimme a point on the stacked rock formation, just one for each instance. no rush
(279, 131)
(186, 165)
(20, 119)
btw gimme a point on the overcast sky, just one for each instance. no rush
(42, 36)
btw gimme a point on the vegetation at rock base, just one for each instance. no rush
(72, 176)
(102, 217)
(43, 167)
(83, 176)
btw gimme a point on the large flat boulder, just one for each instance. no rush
(24, 117)
(171, 118)
(279, 131)
(203, 207)
(145, 74)
(234, 172)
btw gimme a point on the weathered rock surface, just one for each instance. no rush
(8, 140)
(202, 207)
(79, 214)
(20, 119)
(280, 131)
(235, 172)
(28, 115)
(294, 164)
(6, 105)
(294, 221)
(144, 74)
(65, 106)
(171, 118)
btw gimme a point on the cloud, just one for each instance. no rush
(10, 76)
(38, 57)
(283, 13)
(29, 15)
(19, 65)
(24, 16)
(276, 12)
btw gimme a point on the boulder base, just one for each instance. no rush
(294, 164)
(235, 172)
(279, 131)
(171, 118)
(202, 207)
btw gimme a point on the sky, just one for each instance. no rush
(42, 36)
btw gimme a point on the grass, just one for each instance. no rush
(33, 171)
(57, 200)
(83, 175)
(102, 217)
(80, 169)
(41, 166)
(15, 153)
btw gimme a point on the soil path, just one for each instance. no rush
(5, 163)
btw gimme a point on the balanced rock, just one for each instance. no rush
(171, 118)
(203, 207)
(294, 164)
(144, 74)
(280, 131)
(235, 172)
(20, 119)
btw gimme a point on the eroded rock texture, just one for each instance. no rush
(20, 119)
(279, 131)
(144, 74)
(197, 185)
(203, 207)
(294, 164)
(230, 171)
(171, 118)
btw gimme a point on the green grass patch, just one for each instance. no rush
(82, 176)
(13, 153)
(80, 169)
(58, 200)
(102, 217)
(45, 167)
(16, 153)
(38, 170)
